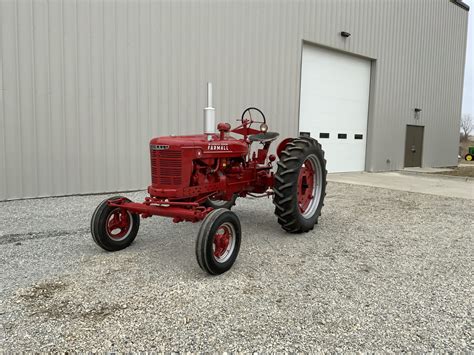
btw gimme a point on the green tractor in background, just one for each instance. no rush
(470, 154)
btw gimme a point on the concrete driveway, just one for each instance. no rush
(413, 182)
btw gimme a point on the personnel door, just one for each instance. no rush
(414, 146)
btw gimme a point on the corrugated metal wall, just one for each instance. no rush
(85, 84)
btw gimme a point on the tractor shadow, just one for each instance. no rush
(167, 245)
(168, 248)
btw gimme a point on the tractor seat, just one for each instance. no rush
(264, 137)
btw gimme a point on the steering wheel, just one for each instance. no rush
(249, 109)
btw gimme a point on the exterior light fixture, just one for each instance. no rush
(417, 112)
(345, 34)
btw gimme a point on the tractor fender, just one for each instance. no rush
(281, 147)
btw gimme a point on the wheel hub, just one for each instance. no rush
(222, 242)
(306, 185)
(118, 224)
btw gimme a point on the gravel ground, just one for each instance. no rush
(384, 270)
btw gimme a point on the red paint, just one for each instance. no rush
(186, 170)
(305, 186)
(118, 224)
(191, 211)
(221, 241)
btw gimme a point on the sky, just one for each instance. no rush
(468, 97)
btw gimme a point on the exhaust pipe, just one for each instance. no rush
(209, 115)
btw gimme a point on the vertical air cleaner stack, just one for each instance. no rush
(209, 114)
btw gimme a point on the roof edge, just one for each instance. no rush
(461, 3)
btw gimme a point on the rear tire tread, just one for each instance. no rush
(285, 198)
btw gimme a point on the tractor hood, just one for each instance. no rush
(225, 148)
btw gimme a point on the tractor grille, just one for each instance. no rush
(166, 167)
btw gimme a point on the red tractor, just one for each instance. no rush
(198, 178)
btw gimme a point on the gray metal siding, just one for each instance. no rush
(85, 84)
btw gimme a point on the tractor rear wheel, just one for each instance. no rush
(218, 241)
(300, 185)
(114, 228)
(215, 204)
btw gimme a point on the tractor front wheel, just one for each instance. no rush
(218, 241)
(468, 157)
(114, 228)
(300, 185)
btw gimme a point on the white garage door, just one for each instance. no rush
(334, 105)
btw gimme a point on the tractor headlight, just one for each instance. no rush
(263, 127)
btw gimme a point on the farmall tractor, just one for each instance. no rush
(199, 177)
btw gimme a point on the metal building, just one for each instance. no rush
(85, 84)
